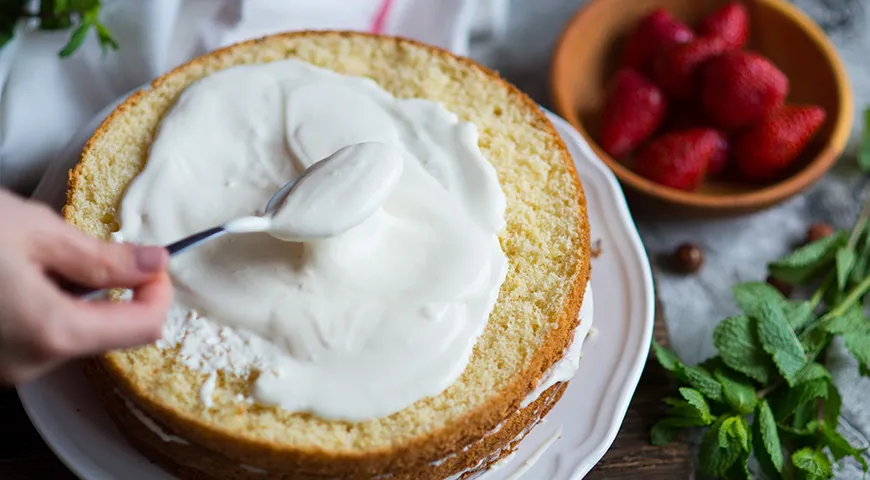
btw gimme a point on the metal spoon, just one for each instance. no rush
(88, 293)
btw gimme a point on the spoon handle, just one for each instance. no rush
(88, 293)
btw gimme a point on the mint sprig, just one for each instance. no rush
(767, 393)
(84, 15)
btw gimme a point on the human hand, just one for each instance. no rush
(41, 326)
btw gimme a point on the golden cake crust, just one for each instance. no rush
(546, 242)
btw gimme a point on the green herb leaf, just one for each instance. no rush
(84, 5)
(864, 153)
(739, 469)
(804, 263)
(812, 371)
(833, 402)
(858, 344)
(844, 259)
(854, 320)
(107, 42)
(76, 39)
(814, 341)
(738, 393)
(666, 431)
(814, 464)
(765, 441)
(703, 382)
(736, 339)
(666, 358)
(805, 418)
(696, 400)
(751, 296)
(720, 447)
(697, 377)
(840, 447)
(799, 314)
(779, 340)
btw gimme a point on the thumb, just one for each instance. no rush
(100, 264)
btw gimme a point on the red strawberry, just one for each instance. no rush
(719, 159)
(633, 110)
(739, 89)
(676, 69)
(730, 23)
(657, 31)
(766, 150)
(679, 159)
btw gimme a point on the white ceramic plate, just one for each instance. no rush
(574, 436)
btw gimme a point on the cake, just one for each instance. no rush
(200, 424)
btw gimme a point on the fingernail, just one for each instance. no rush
(150, 259)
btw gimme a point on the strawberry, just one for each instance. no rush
(657, 31)
(676, 69)
(679, 159)
(739, 89)
(730, 23)
(633, 110)
(719, 159)
(768, 149)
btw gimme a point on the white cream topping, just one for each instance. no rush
(353, 326)
(567, 366)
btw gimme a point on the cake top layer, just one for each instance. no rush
(545, 239)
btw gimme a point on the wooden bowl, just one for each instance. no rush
(589, 50)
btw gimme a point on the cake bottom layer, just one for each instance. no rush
(189, 461)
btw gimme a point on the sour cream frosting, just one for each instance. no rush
(364, 317)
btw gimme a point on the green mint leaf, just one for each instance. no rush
(815, 341)
(805, 417)
(854, 320)
(844, 260)
(832, 405)
(739, 470)
(696, 400)
(779, 340)
(107, 42)
(858, 345)
(765, 441)
(61, 6)
(799, 314)
(803, 264)
(840, 447)
(666, 358)
(800, 401)
(864, 153)
(76, 39)
(812, 371)
(738, 393)
(698, 377)
(715, 456)
(703, 382)
(84, 5)
(666, 431)
(735, 429)
(751, 296)
(736, 339)
(814, 464)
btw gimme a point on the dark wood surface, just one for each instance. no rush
(24, 456)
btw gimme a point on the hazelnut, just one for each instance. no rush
(688, 258)
(818, 231)
(784, 288)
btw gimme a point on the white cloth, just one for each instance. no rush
(46, 99)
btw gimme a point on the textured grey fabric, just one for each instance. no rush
(737, 249)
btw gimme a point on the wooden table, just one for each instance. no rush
(24, 456)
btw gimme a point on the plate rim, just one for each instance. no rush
(604, 433)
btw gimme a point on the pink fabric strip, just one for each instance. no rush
(380, 19)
